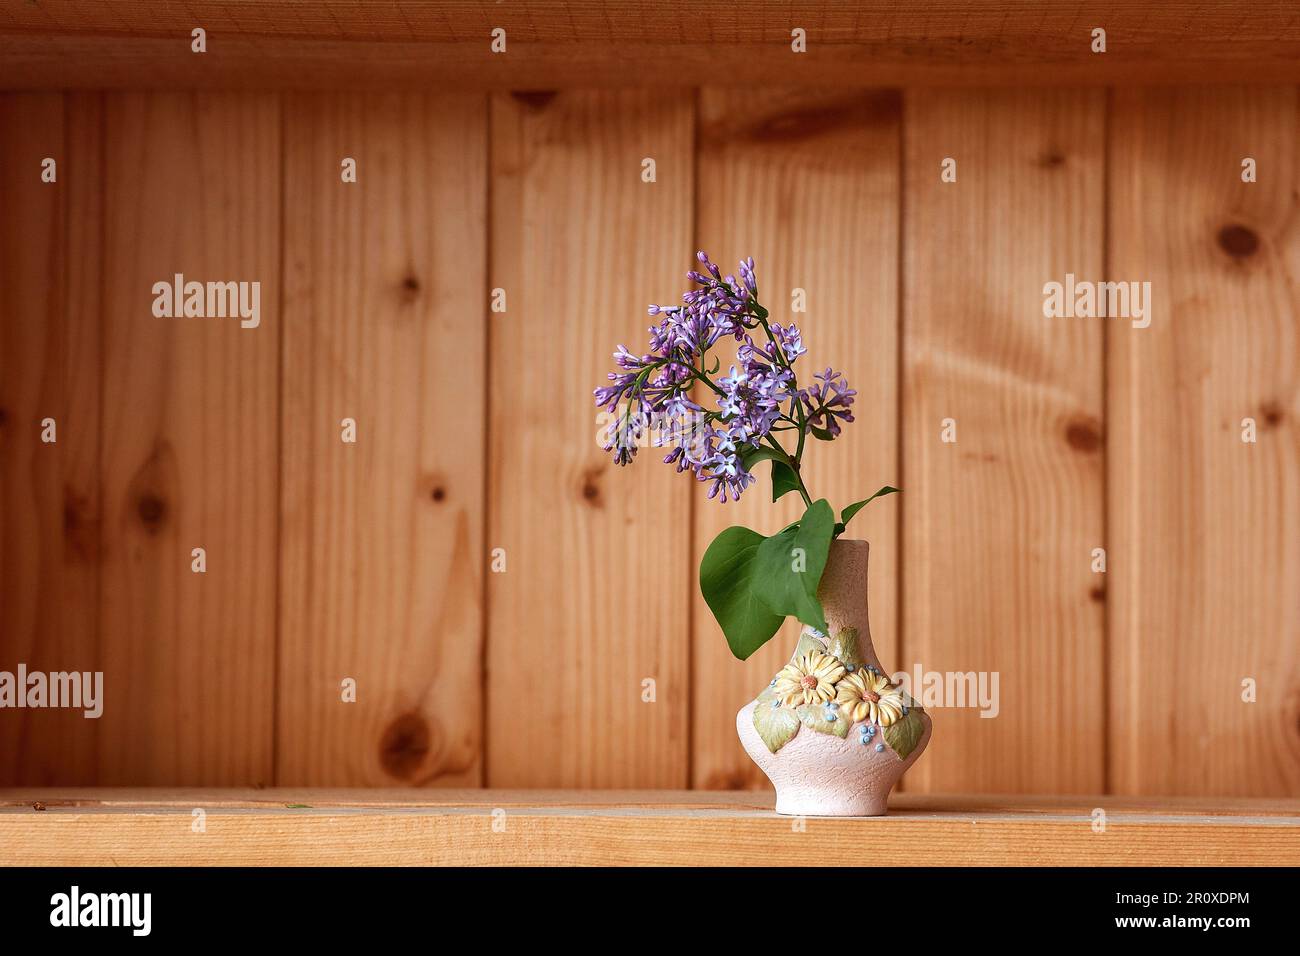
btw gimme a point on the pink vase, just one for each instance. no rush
(839, 756)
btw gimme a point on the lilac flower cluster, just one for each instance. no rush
(758, 397)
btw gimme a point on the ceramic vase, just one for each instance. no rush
(832, 732)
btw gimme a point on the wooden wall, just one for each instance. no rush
(477, 434)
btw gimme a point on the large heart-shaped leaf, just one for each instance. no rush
(775, 725)
(789, 566)
(726, 581)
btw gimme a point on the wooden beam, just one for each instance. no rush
(487, 827)
(552, 44)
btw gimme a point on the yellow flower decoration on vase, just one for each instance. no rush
(808, 679)
(864, 695)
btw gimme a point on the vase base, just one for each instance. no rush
(828, 805)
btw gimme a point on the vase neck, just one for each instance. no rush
(843, 594)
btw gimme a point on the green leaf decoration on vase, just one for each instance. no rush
(813, 717)
(844, 645)
(808, 642)
(775, 725)
(903, 735)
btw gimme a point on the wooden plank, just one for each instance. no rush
(574, 43)
(490, 828)
(1205, 528)
(189, 454)
(382, 557)
(594, 599)
(808, 184)
(974, 805)
(998, 527)
(49, 368)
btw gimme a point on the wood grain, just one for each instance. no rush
(807, 183)
(576, 43)
(998, 527)
(49, 368)
(1206, 528)
(594, 598)
(168, 427)
(189, 442)
(382, 556)
(662, 829)
(974, 805)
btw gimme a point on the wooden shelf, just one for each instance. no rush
(552, 44)
(105, 827)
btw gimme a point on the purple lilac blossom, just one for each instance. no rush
(651, 395)
(827, 404)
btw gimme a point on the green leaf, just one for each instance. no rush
(789, 567)
(751, 456)
(823, 433)
(811, 715)
(847, 514)
(903, 735)
(784, 480)
(775, 725)
(726, 581)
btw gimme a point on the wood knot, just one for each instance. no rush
(535, 99)
(4, 417)
(405, 746)
(410, 289)
(1083, 435)
(432, 487)
(152, 512)
(590, 488)
(1098, 593)
(1238, 241)
(1272, 414)
(1051, 159)
(80, 533)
